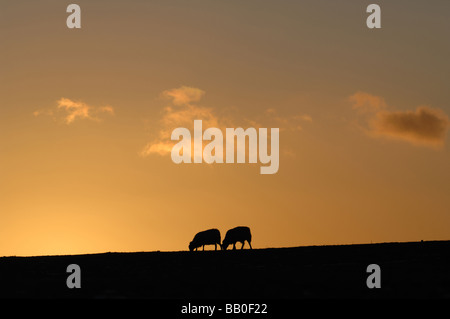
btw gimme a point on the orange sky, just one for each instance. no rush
(86, 116)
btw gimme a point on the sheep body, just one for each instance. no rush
(207, 237)
(237, 234)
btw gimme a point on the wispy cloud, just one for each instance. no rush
(425, 126)
(68, 111)
(365, 102)
(184, 95)
(184, 108)
(181, 112)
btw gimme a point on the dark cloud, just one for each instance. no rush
(423, 126)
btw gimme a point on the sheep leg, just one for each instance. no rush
(250, 245)
(243, 243)
(203, 247)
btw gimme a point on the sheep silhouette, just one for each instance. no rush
(237, 234)
(207, 237)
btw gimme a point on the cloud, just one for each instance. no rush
(181, 113)
(106, 109)
(161, 148)
(68, 111)
(184, 95)
(365, 102)
(424, 126)
(184, 108)
(74, 110)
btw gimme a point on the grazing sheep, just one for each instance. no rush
(241, 234)
(207, 237)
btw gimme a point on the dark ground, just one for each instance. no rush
(408, 270)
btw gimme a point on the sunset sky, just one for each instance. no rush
(86, 116)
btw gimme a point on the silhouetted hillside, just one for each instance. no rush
(416, 269)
